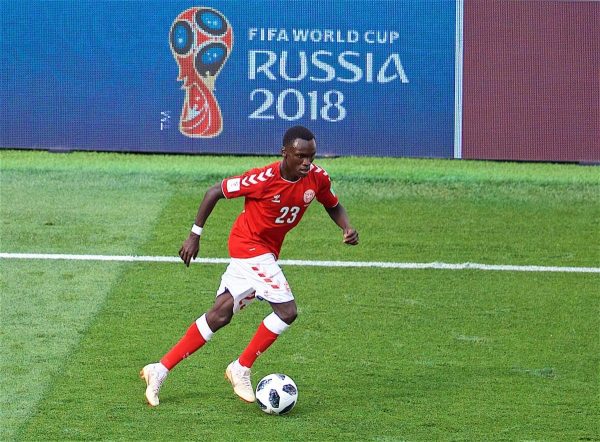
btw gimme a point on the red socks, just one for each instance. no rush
(188, 344)
(199, 333)
(262, 340)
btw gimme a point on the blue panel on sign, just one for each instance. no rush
(367, 77)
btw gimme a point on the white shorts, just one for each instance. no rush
(255, 278)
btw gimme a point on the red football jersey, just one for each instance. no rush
(273, 206)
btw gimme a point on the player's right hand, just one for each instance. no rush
(189, 249)
(350, 236)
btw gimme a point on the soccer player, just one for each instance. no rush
(276, 197)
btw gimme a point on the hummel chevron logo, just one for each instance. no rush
(319, 170)
(255, 179)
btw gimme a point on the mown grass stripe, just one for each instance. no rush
(294, 262)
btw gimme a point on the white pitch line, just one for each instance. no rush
(295, 262)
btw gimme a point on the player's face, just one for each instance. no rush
(298, 157)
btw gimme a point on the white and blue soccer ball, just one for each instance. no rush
(276, 394)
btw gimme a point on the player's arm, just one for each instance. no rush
(340, 217)
(190, 247)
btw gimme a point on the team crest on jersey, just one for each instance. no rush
(309, 196)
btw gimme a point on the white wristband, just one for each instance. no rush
(197, 230)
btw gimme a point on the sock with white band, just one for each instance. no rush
(195, 337)
(203, 327)
(268, 331)
(275, 324)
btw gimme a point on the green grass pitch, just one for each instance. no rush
(377, 354)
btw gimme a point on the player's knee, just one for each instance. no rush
(288, 319)
(288, 315)
(225, 316)
(221, 313)
(218, 318)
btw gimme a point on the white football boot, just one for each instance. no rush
(154, 375)
(239, 376)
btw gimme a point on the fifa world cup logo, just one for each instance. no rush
(201, 40)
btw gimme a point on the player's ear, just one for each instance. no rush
(283, 151)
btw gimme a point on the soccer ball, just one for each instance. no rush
(276, 394)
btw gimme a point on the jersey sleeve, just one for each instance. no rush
(249, 184)
(325, 195)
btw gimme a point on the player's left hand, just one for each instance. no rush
(350, 237)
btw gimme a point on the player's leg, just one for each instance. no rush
(268, 331)
(198, 334)
(272, 286)
(238, 372)
(286, 311)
